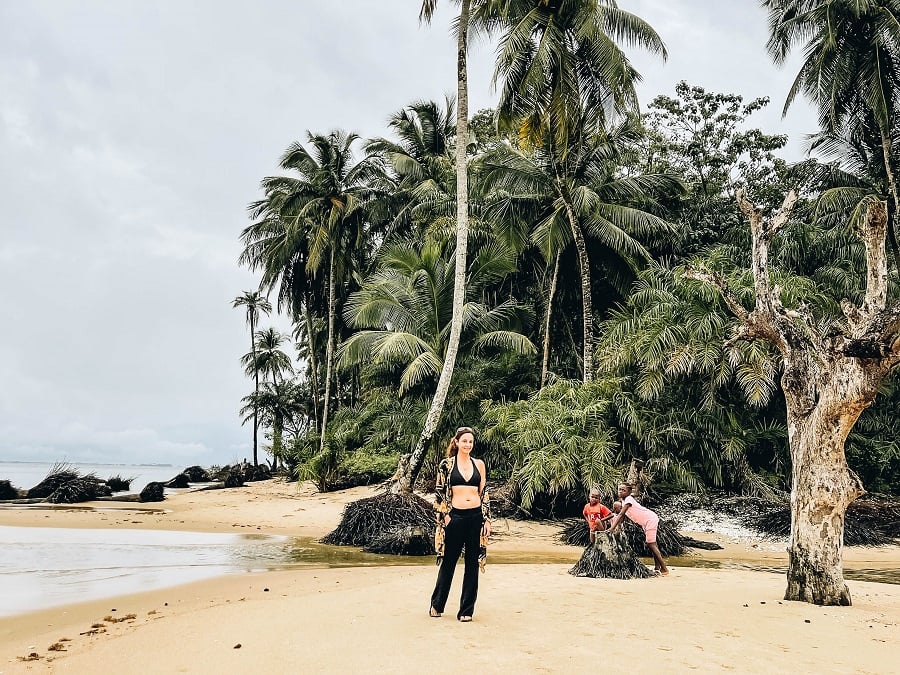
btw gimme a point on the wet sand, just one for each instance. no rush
(529, 618)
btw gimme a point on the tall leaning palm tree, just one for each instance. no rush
(254, 303)
(851, 69)
(563, 76)
(410, 471)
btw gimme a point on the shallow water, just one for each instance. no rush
(48, 567)
(881, 575)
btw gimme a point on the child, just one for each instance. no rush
(644, 517)
(595, 513)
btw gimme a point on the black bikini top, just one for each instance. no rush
(456, 478)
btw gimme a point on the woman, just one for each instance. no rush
(463, 513)
(647, 519)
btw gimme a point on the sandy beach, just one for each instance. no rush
(529, 617)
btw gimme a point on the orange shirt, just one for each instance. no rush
(594, 513)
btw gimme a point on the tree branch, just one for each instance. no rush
(719, 282)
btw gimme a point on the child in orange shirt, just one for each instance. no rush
(595, 513)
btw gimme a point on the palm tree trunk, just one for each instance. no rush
(892, 185)
(550, 295)
(256, 390)
(407, 478)
(329, 349)
(312, 360)
(587, 302)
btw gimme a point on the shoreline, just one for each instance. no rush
(529, 618)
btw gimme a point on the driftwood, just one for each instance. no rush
(8, 491)
(610, 557)
(153, 492)
(690, 542)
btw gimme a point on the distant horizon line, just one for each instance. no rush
(33, 461)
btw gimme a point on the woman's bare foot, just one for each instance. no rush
(433, 613)
(465, 619)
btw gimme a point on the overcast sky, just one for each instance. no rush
(133, 135)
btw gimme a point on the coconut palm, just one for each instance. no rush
(279, 403)
(408, 476)
(583, 193)
(405, 311)
(313, 222)
(267, 357)
(851, 68)
(559, 60)
(563, 75)
(254, 303)
(422, 165)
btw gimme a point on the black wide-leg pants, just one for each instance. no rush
(463, 530)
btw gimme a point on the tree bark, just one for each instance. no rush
(256, 390)
(829, 379)
(822, 485)
(587, 301)
(407, 478)
(329, 348)
(550, 295)
(310, 338)
(892, 186)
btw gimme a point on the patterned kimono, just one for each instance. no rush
(442, 495)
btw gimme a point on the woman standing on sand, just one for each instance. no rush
(463, 513)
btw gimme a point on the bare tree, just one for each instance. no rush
(830, 375)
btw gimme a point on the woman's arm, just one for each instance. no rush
(485, 498)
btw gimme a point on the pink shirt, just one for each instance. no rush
(640, 514)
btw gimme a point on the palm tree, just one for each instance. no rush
(851, 69)
(267, 357)
(279, 403)
(311, 222)
(405, 310)
(563, 75)
(407, 478)
(254, 302)
(581, 194)
(560, 63)
(422, 164)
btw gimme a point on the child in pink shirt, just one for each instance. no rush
(647, 519)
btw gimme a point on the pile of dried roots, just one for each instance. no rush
(387, 523)
(871, 520)
(64, 485)
(8, 491)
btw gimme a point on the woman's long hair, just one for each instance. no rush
(453, 447)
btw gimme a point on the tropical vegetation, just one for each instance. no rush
(534, 274)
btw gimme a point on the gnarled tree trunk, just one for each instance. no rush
(829, 378)
(823, 486)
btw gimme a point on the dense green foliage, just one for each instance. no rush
(579, 209)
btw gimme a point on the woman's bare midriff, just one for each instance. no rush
(465, 497)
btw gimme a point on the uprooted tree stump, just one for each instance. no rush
(611, 557)
(575, 532)
(399, 524)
